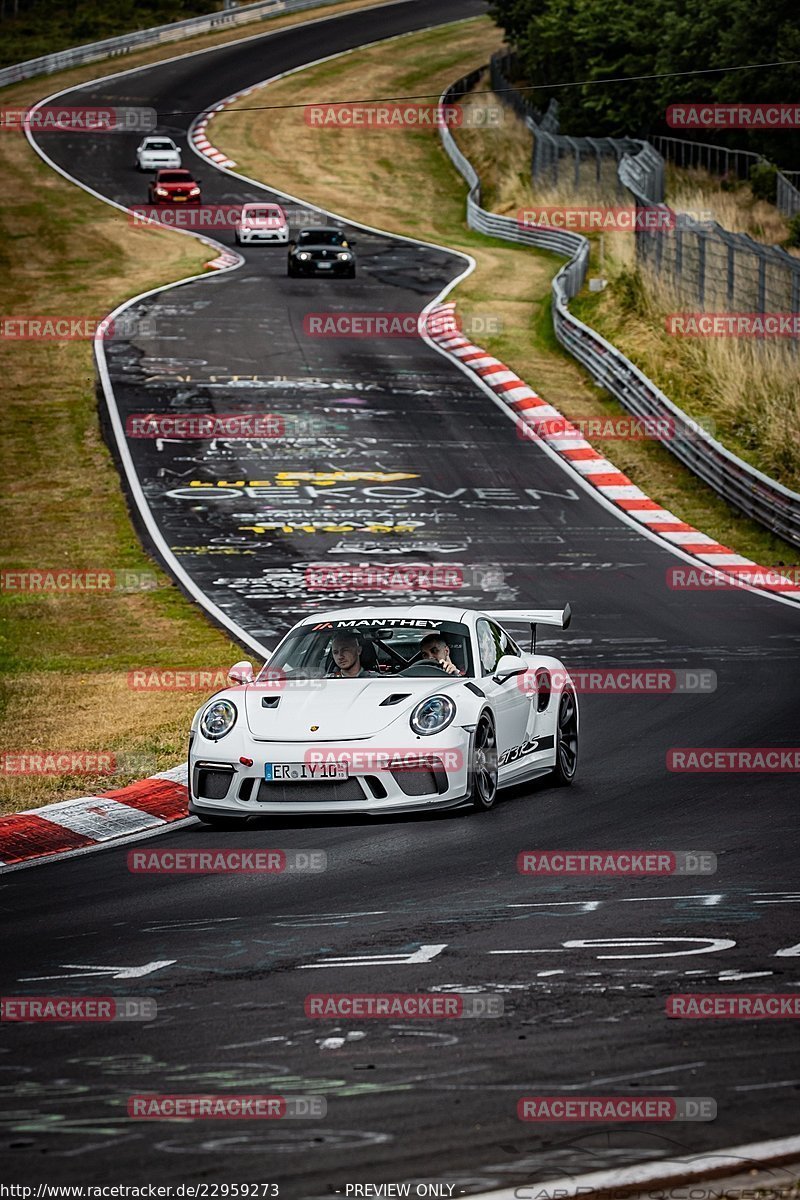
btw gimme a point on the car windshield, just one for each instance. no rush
(159, 146)
(321, 237)
(174, 177)
(381, 648)
(263, 214)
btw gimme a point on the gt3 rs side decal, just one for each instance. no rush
(532, 746)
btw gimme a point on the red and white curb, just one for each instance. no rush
(198, 138)
(566, 440)
(90, 821)
(224, 260)
(198, 134)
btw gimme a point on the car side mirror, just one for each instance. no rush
(241, 672)
(291, 242)
(508, 666)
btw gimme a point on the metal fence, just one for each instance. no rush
(577, 163)
(747, 489)
(788, 194)
(702, 263)
(702, 156)
(159, 34)
(729, 164)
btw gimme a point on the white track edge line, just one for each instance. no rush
(726, 1161)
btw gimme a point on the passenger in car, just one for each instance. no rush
(346, 649)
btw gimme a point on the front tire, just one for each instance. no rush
(483, 771)
(566, 741)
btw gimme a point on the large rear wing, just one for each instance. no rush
(560, 617)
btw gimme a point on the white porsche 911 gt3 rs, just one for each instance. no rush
(385, 709)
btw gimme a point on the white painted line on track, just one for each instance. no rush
(655, 1174)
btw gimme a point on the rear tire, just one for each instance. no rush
(566, 766)
(483, 771)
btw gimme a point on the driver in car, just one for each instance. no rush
(346, 654)
(433, 648)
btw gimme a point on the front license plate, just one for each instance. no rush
(303, 772)
(324, 266)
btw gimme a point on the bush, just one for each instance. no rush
(794, 231)
(764, 181)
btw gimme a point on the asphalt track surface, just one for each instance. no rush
(431, 1101)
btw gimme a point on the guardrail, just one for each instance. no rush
(159, 34)
(774, 506)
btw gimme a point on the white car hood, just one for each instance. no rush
(344, 709)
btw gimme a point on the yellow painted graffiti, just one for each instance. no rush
(278, 527)
(320, 478)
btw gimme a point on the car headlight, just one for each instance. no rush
(344, 256)
(195, 191)
(432, 715)
(303, 255)
(218, 719)
(162, 192)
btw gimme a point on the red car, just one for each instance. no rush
(174, 187)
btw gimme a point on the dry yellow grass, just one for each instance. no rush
(66, 657)
(404, 182)
(748, 392)
(696, 191)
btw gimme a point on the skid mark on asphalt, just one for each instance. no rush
(283, 1142)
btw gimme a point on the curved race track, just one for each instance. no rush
(407, 1101)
